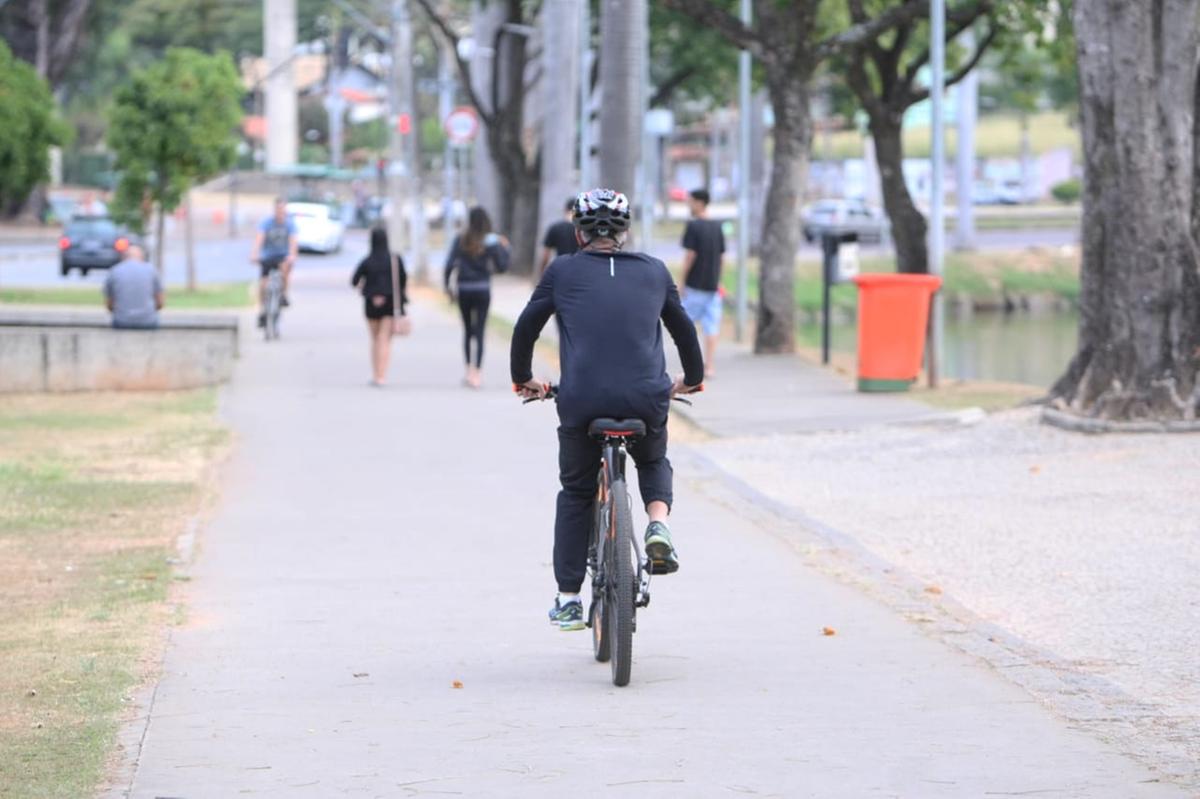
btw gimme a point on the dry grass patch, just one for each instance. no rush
(94, 489)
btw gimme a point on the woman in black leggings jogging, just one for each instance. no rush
(475, 255)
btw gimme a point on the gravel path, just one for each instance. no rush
(1088, 548)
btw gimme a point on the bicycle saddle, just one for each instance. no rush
(617, 428)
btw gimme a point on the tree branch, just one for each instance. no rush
(858, 35)
(725, 23)
(464, 68)
(964, 70)
(663, 93)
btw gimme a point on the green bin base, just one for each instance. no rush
(869, 384)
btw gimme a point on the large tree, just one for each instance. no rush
(173, 125)
(790, 42)
(883, 72)
(28, 127)
(503, 112)
(1139, 333)
(46, 33)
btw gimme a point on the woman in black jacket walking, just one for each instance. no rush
(475, 255)
(373, 278)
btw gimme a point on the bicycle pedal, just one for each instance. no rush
(663, 567)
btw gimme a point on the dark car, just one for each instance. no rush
(91, 242)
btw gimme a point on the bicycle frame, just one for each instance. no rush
(612, 468)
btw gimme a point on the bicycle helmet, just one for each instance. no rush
(601, 212)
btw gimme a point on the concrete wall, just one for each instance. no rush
(63, 354)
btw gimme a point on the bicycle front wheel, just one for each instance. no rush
(621, 588)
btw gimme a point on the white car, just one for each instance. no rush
(840, 217)
(319, 227)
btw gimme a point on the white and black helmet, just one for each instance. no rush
(601, 212)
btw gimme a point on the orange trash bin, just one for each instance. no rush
(893, 312)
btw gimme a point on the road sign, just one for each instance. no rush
(461, 125)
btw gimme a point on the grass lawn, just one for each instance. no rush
(94, 489)
(996, 136)
(215, 296)
(981, 276)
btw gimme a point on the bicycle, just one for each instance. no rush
(273, 304)
(619, 587)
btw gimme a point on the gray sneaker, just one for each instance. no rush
(659, 549)
(568, 615)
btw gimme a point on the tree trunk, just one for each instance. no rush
(189, 242)
(160, 244)
(621, 53)
(776, 328)
(908, 223)
(1139, 336)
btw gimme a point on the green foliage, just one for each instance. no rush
(689, 61)
(28, 127)
(1069, 191)
(172, 125)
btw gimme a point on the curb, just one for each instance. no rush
(1074, 423)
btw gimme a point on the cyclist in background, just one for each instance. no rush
(274, 247)
(609, 305)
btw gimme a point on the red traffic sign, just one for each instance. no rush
(461, 125)
(404, 124)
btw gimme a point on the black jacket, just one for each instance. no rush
(609, 306)
(475, 271)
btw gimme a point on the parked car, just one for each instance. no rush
(1007, 192)
(840, 217)
(91, 242)
(319, 227)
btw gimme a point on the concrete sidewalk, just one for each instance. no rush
(366, 618)
(761, 395)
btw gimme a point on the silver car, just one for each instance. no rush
(839, 217)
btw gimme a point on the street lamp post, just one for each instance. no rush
(743, 196)
(937, 233)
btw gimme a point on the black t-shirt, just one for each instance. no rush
(560, 237)
(609, 308)
(704, 237)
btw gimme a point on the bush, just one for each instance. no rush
(1068, 191)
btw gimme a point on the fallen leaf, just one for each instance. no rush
(31, 692)
(362, 674)
(933, 589)
(1034, 469)
(456, 684)
(828, 631)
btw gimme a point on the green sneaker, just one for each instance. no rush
(659, 549)
(568, 615)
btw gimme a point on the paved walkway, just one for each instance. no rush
(374, 549)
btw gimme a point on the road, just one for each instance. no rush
(223, 261)
(376, 549)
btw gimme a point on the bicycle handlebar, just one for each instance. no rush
(552, 393)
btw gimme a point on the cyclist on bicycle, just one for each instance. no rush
(609, 304)
(275, 247)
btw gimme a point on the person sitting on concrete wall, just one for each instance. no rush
(133, 292)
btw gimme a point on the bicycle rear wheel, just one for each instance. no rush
(621, 584)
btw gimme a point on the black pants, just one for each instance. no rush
(474, 308)
(578, 465)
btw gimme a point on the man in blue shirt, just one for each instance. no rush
(611, 307)
(133, 292)
(274, 247)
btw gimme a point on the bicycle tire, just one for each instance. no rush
(601, 641)
(621, 586)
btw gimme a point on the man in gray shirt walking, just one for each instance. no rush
(133, 292)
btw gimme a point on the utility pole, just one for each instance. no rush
(279, 32)
(968, 109)
(743, 192)
(404, 145)
(586, 60)
(445, 106)
(937, 233)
